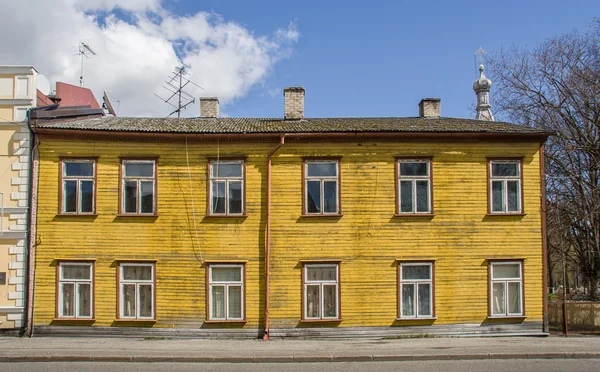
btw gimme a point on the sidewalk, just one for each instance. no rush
(47, 349)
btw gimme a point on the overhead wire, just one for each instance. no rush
(187, 158)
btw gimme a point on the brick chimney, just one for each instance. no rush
(209, 107)
(293, 103)
(429, 108)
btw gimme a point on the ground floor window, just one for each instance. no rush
(75, 289)
(416, 289)
(226, 292)
(506, 288)
(136, 290)
(321, 291)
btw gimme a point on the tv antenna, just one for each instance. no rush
(479, 59)
(84, 51)
(174, 85)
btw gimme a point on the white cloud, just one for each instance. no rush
(134, 57)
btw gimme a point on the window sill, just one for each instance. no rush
(507, 317)
(80, 320)
(321, 320)
(135, 320)
(504, 214)
(137, 215)
(77, 215)
(429, 215)
(417, 319)
(225, 321)
(226, 216)
(322, 215)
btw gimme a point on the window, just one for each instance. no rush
(138, 187)
(136, 290)
(226, 292)
(414, 186)
(2, 278)
(321, 291)
(321, 187)
(505, 186)
(75, 290)
(78, 186)
(506, 289)
(416, 290)
(226, 187)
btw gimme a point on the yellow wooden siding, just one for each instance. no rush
(368, 238)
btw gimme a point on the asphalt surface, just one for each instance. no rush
(73, 349)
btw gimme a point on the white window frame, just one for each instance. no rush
(506, 281)
(227, 180)
(504, 180)
(413, 180)
(79, 180)
(416, 283)
(137, 283)
(139, 180)
(75, 283)
(322, 180)
(227, 285)
(321, 283)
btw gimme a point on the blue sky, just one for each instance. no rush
(379, 58)
(367, 58)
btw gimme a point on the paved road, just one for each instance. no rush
(520, 365)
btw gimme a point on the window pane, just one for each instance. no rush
(137, 272)
(128, 295)
(139, 169)
(330, 301)
(147, 197)
(406, 196)
(70, 196)
(408, 300)
(226, 169)
(86, 189)
(513, 195)
(130, 199)
(509, 271)
(414, 169)
(422, 196)
(218, 302)
(498, 299)
(235, 197)
(497, 196)
(82, 169)
(81, 272)
(321, 273)
(146, 299)
(226, 274)
(313, 302)
(505, 170)
(313, 199)
(218, 197)
(514, 298)
(324, 169)
(416, 272)
(68, 297)
(424, 305)
(330, 196)
(235, 302)
(84, 292)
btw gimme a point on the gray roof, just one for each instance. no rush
(278, 125)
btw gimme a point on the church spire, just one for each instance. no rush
(482, 88)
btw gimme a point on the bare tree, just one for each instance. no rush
(556, 86)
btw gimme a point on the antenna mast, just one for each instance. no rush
(84, 51)
(177, 81)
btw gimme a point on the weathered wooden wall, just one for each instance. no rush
(367, 238)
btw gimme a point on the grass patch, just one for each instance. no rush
(153, 338)
(420, 335)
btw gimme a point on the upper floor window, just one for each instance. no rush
(226, 296)
(138, 187)
(226, 187)
(505, 186)
(321, 291)
(414, 186)
(78, 186)
(75, 289)
(506, 288)
(322, 187)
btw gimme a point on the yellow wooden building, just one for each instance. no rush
(288, 227)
